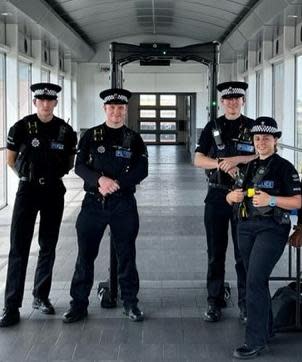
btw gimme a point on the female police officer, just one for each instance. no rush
(271, 187)
(112, 160)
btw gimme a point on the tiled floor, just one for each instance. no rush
(172, 262)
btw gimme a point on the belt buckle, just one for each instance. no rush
(41, 181)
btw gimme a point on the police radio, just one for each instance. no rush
(217, 138)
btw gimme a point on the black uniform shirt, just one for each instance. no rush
(119, 154)
(48, 151)
(231, 131)
(281, 177)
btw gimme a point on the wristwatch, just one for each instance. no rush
(272, 201)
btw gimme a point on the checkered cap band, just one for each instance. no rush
(231, 90)
(112, 97)
(46, 92)
(264, 129)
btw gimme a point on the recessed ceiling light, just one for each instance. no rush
(292, 16)
(6, 13)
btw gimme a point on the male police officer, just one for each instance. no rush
(224, 143)
(40, 149)
(112, 160)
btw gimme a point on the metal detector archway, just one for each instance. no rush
(122, 54)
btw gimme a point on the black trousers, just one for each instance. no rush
(31, 198)
(218, 215)
(120, 213)
(261, 242)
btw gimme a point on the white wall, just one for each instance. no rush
(185, 78)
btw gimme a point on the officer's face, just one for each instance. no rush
(232, 106)
(115, 114)
(45, 107)
(265, 144)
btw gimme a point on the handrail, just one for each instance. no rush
(2, 148)
(282, 145)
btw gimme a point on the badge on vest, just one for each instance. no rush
(101, 149)
(35, 142)
(245, 147)
(123, 153)
(56, 146)
(266, 184)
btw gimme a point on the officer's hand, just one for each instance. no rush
(296, 237)
(233, 172)
(107, 185)
(227, 164)
(261, 199)
(235, 196)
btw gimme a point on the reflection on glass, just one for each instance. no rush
(147, 113)
(148, 126)
(167, 100)
(24, 79)
(168, 126)
(299, 110)
(169, 113)
(148, 137)
(45, 76)
(2, 101)
(167, 138)
(278, 88)
(59, 110)
(3, 200)
(147, 100)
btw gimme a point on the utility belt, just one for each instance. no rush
(117, 194)
(218, 186)
(281, 216)
(40, 180)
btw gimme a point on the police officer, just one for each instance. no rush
(264, 202)
(224, 144)
(112, 160)
(40, 149)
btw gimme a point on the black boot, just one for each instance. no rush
(134, 313)
(9, 317)
(213, 314)
(246, 352)
(75, 315)
(43, 305)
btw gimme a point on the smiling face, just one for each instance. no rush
(232, 106)
(115, 114)
(265, 144)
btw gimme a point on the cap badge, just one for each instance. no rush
(115, 95)
(101, 149)
(262, 123)
(230, 89)
(35, 142)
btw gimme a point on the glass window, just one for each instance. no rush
(148, 137)
(3, 177)
(299, 110)
(168, 138)
(24, 96)
(278, 87)
(60, 106)
(168, 126)
(167, 100)
(147, 100)
(148, 126)
(45, 75)
(147, 113)
(171, 113)
(258, 94)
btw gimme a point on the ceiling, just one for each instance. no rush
(86, 25)
(101, 20)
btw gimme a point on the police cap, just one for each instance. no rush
(45, 90)
(232, 89)
(266, 125)
(115, 96)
